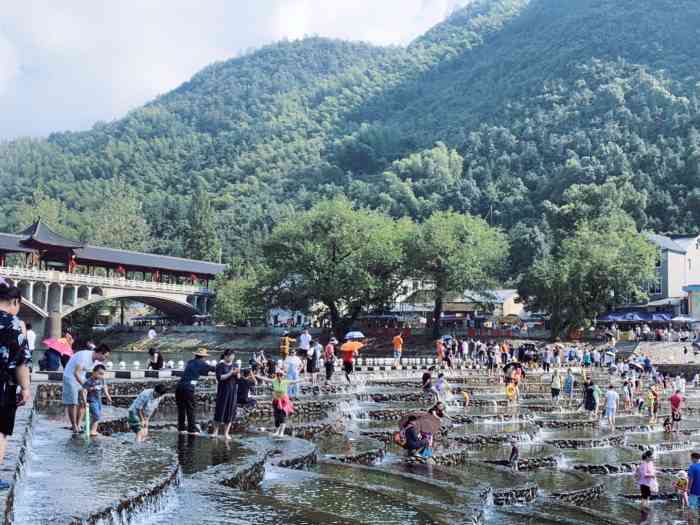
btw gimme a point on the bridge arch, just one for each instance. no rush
(28, 306)
(179, 309)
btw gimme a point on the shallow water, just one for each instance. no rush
(102, 471)
(74, 477)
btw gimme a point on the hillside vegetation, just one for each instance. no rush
(498, 111)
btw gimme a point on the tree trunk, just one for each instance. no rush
(556, 326)
(437, 314)
(336, 324)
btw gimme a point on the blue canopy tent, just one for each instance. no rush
(635, 316)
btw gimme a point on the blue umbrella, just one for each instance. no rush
(355, 334)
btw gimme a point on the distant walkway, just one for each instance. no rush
(669, 353)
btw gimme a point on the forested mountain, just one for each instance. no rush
(497, 111)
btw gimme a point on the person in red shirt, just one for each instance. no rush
(329, 358)
(349, 351)
(676, 401)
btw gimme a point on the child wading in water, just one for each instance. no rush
(681, 487)
(142, 409)
(93, 388)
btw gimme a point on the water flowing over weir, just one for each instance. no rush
(341, 466)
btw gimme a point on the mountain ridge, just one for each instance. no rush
(534, 96)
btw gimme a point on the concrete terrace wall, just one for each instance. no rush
(16, 456)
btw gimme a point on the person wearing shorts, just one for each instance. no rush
(676, 401)
(141, 410)
(74, 375)
(555, 386)
(93, 388)
(397, 341)
(611, 401)
(15, 361)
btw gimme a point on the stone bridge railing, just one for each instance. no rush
(49, 295)
(18, 274)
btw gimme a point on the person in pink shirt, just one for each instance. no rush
(676, 401)
(646, 478)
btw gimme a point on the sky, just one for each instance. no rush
(65, 65)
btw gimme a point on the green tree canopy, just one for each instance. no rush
(456, 253)
(237, 300)
(344, 259)
(119, 222)
(202, 240)
(605, 261)
(52, 212)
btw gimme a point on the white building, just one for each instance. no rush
(677, 266)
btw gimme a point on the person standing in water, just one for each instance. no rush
(676, 401)
(646, 478)
(329, 359)
(555, 386)
(74, 375)
(569, 385)
(313, 361)
(397, 342)
(694, 482)
(225, 409)
(184, 393)
(611, 401)
(281, 404)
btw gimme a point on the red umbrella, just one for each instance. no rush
(426, 423)
(60, 345)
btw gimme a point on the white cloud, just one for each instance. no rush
(65, 65)
(9, 64)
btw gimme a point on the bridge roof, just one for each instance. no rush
(97, 256)
(40, 235)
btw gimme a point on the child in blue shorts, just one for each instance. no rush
(93, 388)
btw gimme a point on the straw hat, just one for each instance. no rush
(202, 352)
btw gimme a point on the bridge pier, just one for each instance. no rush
(56, 298)
(55, 329)
(41, 295)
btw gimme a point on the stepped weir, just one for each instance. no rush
(338, 462)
